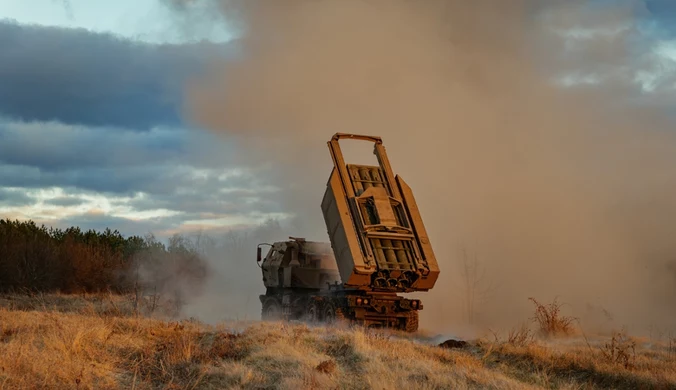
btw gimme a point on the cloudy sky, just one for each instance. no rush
(90, 121)
(91, 126)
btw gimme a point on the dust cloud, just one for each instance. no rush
(208, 275)
(559, 191)
(231, 290)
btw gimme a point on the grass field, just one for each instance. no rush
(97, 342)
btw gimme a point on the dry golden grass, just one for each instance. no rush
(98, 343)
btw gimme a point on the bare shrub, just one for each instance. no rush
(621, 349)
(520, 336)
(550, 320)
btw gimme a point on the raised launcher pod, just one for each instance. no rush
(374, 225)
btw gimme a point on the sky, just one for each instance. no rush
(92, 131)
(144, 20)
(90, 122)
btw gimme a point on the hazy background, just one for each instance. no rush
(537, 135)
(567, 192)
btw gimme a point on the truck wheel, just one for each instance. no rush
(333, 314)
(329, 313)
(411, 322)
(272, 310)
(312, 313)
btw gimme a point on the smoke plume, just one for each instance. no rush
(520, 125)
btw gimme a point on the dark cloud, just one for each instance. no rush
(53, 146)
(663, 12)
(14, 198)
(160, 161)
(65, 201)
(188, 172)
(77, 76)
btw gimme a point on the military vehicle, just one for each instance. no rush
(378, 248)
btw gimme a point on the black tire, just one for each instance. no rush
(312, 313)
(329, 313)
(332, 314)
(272, 310)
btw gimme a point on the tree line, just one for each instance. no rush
(41, 259)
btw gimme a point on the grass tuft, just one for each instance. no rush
(520, 337)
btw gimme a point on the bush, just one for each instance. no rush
(620, 350)
(550, 320)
